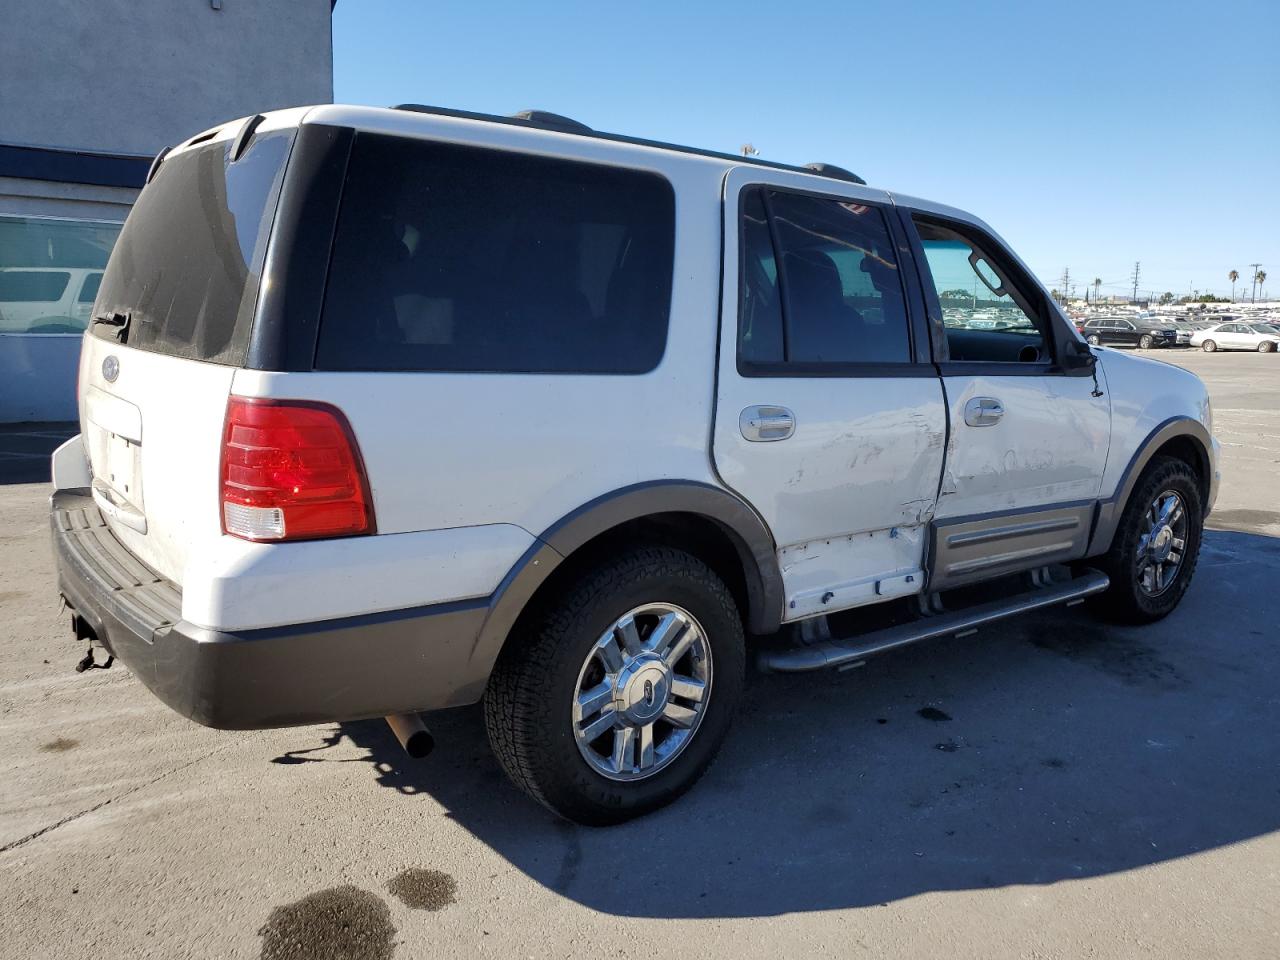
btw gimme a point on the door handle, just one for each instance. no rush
(764, 423)
(983, 412)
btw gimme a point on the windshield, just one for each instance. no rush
(185, 270)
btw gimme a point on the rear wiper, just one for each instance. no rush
(116, 319)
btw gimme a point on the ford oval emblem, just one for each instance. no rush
(110, 369)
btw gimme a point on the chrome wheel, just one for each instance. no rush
(642, 692)
(1162, 544)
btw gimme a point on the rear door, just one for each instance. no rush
(172, 321)
(829, 419)
(1029, 440)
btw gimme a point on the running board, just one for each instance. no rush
(850, 651)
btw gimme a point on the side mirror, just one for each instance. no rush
(1078, 356)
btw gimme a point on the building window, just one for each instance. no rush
(49, 272)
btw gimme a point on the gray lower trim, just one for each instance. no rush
(742, 525)
(398, 661)
(978, 547)
(1111, 509)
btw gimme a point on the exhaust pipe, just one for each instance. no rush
(412, 734)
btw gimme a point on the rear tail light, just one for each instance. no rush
(291, 470)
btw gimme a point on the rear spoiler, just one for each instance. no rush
(238, 145)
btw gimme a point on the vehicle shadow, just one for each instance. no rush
(1050, 748)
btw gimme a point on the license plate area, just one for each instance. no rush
(123, 469)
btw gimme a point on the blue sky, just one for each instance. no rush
(1090, 135)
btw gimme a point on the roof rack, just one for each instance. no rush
(525, 118)
(561, 124)
(834, 172)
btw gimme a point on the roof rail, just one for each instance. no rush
(525, 118)
(552, 121)
(561, 124)
(834, 172)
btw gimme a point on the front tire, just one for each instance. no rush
(1145, 341)
(1093, 340)
(1156, 545)
(617, 698)
(1208, 346)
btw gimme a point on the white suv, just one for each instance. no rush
(389, 410)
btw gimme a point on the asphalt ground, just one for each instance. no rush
(1052, 787)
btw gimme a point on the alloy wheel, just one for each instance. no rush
(1161, 544)
(642, 692)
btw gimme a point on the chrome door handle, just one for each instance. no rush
(763, 423)
(983, 412)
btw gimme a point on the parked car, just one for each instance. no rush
(1123, 332)
(1237, 336)
(466, 433)
(47, 299)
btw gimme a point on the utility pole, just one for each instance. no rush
(1137, 272)
(1253, 281)
(1065, 286)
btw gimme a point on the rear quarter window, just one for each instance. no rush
(451, 258)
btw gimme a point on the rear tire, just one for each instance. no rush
(1156, 545)
(545, 696)
(1266, 346)
(1093, 340)
(1209, 346)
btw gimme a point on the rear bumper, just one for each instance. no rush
(344, 669)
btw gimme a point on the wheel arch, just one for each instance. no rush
(712, 523)
(1183, 438)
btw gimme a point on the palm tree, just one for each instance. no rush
(1261, 278)
(1097, 282)
(1233, 276)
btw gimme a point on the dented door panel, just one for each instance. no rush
(1048, 447)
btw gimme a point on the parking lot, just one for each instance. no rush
(1051, 787)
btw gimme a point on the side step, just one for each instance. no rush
(836, 653)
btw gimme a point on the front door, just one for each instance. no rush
(827, 420)
(1029, 439)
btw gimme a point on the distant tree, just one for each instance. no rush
(1097, 282)
(749, 150)
(959, 293)
(1166, 297)
(1261, 277)
(1055, 294)
(1233, 276)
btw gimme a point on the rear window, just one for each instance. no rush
(32, 286)
(188, 261)
(452, 258)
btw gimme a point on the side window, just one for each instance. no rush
(457, 258)
(1126, 326)
(89, 291)
(820, 283)
(990, 320)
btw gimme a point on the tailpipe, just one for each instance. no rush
(412, 734)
